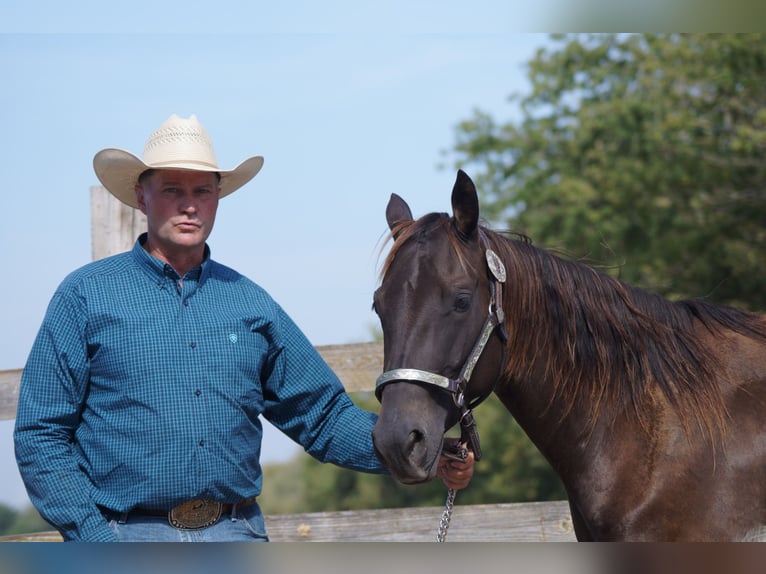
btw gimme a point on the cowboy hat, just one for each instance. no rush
(179, 143)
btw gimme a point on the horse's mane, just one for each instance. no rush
(604, 343)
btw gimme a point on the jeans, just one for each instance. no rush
(242, 525)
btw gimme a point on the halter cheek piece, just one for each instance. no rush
(457, 387)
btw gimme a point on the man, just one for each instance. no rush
(139, 403)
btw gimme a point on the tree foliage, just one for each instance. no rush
(643, 153)
(21, 521)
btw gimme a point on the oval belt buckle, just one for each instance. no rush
(195, 514)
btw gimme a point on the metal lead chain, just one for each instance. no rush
(455, 452)
(441, 536)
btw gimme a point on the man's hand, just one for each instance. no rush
(456, 474)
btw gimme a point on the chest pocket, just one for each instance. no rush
(234, 355)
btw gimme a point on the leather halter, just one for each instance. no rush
(457, 387)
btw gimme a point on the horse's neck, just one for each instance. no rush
(564, 432)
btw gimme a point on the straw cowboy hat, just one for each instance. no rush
(179, 143)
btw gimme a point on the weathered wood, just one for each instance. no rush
(9, 393)
(114, 226)
(357, 365)
(520, 522)
(51, 536)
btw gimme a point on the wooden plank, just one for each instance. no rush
(9, 393)
(513, 522)
(519, 522)
(357, 365)
(114, 226)
(51, 536)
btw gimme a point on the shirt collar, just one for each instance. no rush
(159, 270)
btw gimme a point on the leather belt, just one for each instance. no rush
(194, 514)
(225, 508)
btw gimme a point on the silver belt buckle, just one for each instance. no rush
(195, 514)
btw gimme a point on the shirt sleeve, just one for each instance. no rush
(53, 387)
(305, 399)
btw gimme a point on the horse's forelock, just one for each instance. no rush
(417, 230)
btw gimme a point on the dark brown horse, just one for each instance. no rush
(652, 412)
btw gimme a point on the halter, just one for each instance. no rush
(457, 387)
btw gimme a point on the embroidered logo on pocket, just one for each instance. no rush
(233, 337)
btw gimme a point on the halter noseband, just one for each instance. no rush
(457, 387)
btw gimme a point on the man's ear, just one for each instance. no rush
(139, 190)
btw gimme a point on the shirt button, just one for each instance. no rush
(202, 443)
(186, 303)
(198, 392)
(192, 344)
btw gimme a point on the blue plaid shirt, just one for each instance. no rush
(142, 390)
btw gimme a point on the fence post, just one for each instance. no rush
(114, 226)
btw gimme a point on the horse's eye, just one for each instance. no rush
(462, 302)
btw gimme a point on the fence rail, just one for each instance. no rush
(357, 365)
(518, 522)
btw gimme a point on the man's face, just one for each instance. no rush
(180, 208)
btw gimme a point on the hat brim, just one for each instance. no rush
(118, 171)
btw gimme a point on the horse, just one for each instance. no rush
(652, 412)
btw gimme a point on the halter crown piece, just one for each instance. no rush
(457, 387)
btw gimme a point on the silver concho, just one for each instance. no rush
(496, 266)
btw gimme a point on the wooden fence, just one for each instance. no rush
(357, 366)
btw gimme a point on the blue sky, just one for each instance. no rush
(344, 116)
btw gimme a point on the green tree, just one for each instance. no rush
(644, 153)
(21, 522)
(7, 517)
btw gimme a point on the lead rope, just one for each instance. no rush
(458, 453)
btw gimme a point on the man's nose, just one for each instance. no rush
(188, 205)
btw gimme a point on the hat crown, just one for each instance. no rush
(179, 141)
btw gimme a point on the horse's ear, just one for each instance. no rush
(397, 211)
(465, 205)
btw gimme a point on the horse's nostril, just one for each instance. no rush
(416, 436)
(415, 443)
